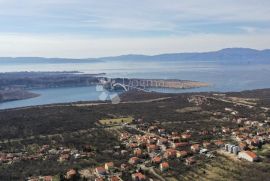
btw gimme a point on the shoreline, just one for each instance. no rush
(132, 97)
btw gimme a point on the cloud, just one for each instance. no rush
(79, 28)
(124, 15)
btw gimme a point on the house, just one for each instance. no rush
(179, 145)
(203, 151)
(152, 128)
(124, 136)
(162, 141)
(164, 166)
(156, 160)
(176, 139)
(243, 146)
(206, 144)
(161, 131)
(138, 176)
(186, 136)
(99, 179)
(219, 143)
(33, 179)
(100, 171)
(137, 152)
(133, 160)
(64, 157)
(47, 178)
(109, 166)
(71, 173)
(124, 166)
(152, 147)
(170, 153)
(195, 147)
(132, 145)
(181, 154)
(248, 155)
(114, 178)
(190, 161)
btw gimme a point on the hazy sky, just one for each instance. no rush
(93, 28)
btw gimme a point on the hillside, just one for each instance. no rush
(228, 55)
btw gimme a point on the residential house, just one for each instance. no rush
(195, 148)
(156, 160)
(64, 157)
(138, 176)
(186, 136)
(133, 160)
(100, 171)
(137, 152)
(161, 131)
(219, 143)
(162, 141)
(47, 178)
(164, 166)
(181, 154)
(99, 179)
(109, 166)
(248, 155)
(190, 160)
(71, 173)
(206, 144)
(114, 178)
(242, 146)
(179, 145)
(152, 147)
(170, 153)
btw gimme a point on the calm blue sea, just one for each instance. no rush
(221, 77)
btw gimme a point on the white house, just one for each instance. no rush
(248, 155)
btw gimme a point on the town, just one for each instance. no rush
(155, 150)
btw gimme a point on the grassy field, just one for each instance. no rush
(116, 121)
(223, 169)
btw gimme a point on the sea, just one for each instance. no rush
(221, 77)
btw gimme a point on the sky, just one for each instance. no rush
(97, 28)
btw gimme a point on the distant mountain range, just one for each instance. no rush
(228, 55)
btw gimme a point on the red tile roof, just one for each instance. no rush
(251, 154)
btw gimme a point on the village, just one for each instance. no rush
(153, 153)
(155, 150)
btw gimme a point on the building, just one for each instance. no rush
(100, 171)
(71, 173)
(162, 141)
(138, 176)
(219, 143)
(190, 161)
(133, 160)
(109, 165)
(114, 178)
(152, 147)
(179, 145)
(156, 160)
(170, 153)
(47, 178)
(181, 154)
(164, 166)
(137, 152)
(99, 179)
(195, 147)
(248, 155)
(206, 144)
(186, 136)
